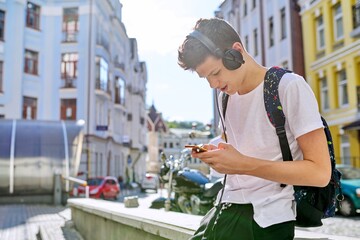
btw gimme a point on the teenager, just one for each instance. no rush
(257, 201)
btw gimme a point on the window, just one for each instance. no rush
(342, 86)
(70, 26)
(69, 68)
(338, 22)
(33, 16)
(31, 62)
(271, 32)
(345, 150)
(100, 167)
(119, 91)
(356, 15)
(29, 108)
(320, 35)
(256, 48)
(1, 76)
(254, 4)
(245, 8)
(68, 109)
(283, 23)
(102, 74)
(358, 97)
(324, 94)
(247, 42)
(285, 65)
(2, 25)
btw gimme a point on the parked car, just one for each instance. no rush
(350, 184)
(150, 181)
(101, 187)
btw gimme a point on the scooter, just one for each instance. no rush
(189, 190)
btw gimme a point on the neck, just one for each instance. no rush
(254, 75)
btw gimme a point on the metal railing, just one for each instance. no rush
(81, 182)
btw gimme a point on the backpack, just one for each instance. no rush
(312, 203)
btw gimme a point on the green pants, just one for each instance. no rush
(236, 222)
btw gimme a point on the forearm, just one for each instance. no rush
(301, 172)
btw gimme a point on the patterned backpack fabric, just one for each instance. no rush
(312, 203)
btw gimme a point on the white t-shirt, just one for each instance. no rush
(249, 130)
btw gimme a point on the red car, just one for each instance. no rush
(101, 187)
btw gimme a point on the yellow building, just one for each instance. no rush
(331, 36)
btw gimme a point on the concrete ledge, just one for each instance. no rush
(99, 219)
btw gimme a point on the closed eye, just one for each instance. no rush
(216, 73)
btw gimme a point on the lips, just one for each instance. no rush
(223, 89)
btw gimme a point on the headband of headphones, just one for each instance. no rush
(231, 58)
(207, 42)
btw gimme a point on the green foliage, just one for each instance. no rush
(185, 124)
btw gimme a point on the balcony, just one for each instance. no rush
(103, 86)
(126, 141)
(69, 36)
(68, 83)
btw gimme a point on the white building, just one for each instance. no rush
(72, 60)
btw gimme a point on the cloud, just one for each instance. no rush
(158, 25)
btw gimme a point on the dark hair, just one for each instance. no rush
(192, 52)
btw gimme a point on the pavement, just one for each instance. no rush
(38, 222)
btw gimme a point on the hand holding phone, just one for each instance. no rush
(196, 148)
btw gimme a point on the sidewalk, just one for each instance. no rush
(34, 222)
(41, 222)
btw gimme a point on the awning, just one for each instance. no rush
(353, 126)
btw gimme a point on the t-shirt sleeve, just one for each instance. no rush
(299, 105)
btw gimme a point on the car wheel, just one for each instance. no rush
(347, 207)
(102, 196)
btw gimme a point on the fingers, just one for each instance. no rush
(210, 146)
(223, 145)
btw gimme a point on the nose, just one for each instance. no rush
(213, 82)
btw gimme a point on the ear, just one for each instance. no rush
(239, 47)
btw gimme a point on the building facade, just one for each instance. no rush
(171, 141)
(332, 57)
(156, 130)
(73, 60)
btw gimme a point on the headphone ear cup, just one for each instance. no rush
(232, 59)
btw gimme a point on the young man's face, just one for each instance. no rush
(217, 75)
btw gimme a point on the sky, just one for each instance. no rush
(160, 26)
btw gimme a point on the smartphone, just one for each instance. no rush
(196, 148)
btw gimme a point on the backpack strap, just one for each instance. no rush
(224, 102)
(274, 109)
(225, 98)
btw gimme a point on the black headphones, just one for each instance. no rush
(232, 59)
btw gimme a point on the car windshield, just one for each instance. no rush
(350, 173)
(94, 181)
